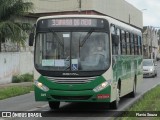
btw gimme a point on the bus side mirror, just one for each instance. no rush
(115, 40)
(31, 39)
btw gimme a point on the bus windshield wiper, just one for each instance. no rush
(57, 38)
(86, 37)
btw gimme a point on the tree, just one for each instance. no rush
(9, 28)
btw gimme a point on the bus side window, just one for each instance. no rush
(112, 29)
(119, 47)
(139, 45)
(115, 48)
(113, 32)
(135, 45)
(132, 44)
(123, 42)
(128, 43)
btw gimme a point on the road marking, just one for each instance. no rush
(35, 109)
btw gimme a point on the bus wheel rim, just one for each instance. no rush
(118, 96)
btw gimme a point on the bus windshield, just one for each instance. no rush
(72, 51)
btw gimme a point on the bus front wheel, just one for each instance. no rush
(54, 105)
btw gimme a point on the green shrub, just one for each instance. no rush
(16, 79)
(27, 78)
(22, 78)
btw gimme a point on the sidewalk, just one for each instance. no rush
(16, 84)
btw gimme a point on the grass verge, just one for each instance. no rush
(22, 78)
(150, 102)
(12, 91)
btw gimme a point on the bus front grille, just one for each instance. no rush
(71, 80)
(71, 97)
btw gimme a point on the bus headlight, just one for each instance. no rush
(102, 86)
(41, 86)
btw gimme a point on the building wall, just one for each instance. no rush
(150, 42)
(119, 9)
(44, 6)
(15, 63)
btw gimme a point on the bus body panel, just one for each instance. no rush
(125, 69)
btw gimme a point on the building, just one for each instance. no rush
(150, 42)
(118, 9)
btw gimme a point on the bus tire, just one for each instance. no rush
(155, 74)
(115, 104)
(133, 93)
(54, 105)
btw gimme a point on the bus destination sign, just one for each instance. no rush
(72, 22)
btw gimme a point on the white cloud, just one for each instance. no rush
(151, 16)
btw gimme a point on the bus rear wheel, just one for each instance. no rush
(133, 93)
(115, 104)
(54, 105)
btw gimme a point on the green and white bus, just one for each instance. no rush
(85, 58)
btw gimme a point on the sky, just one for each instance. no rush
(150, 10)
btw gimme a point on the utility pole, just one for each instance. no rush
(80, 5)
(129, 18)
(151, 38)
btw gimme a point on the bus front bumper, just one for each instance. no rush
(73, 96)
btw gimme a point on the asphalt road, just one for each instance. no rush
(71, 111)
